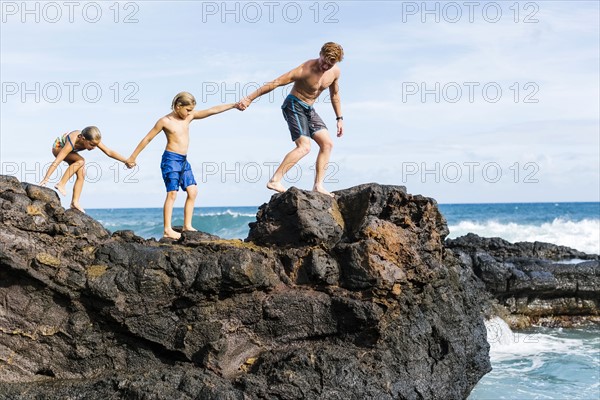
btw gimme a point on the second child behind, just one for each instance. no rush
(66, 148)
(176, 170)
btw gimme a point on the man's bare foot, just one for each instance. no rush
(321, 189)
(170, 233)
(276, 186)
(77, 207)
(61, 190)
(190, 229)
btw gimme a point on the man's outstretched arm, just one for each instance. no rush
(285, 79)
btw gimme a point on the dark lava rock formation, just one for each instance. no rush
(535, 283)
(353, 298)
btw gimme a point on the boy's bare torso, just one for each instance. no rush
(177, 131)
(313, 81)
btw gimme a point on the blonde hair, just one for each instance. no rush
(332, 52)
(183, 99)
(91, 133)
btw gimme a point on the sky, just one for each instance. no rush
(464, 102)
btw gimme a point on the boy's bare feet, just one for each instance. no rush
(190, 229)
(321, 189)
(276, 186)
(61, 190)
(170, 233)
(77, 207)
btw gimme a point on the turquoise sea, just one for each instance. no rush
(536, 364)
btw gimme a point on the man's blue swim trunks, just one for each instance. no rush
(301, 117)
(176, 171)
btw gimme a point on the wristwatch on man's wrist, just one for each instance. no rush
(339, 118)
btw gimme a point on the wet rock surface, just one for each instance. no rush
(355, 297)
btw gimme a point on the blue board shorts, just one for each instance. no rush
(176, 171)
(301, 117)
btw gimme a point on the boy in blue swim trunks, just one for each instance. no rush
(310, 79)
(176, 170)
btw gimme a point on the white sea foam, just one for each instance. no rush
(533, 346)
(582, 235)
(572, 261)
(137, 224)
(540, 364)
(234, 214)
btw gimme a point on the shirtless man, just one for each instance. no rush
(310, 79)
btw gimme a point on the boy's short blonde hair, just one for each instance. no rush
(91, 133)
(332, 52)
(183, 99)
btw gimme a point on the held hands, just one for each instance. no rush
(243, 104)
(130, 163)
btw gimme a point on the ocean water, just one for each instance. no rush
(541, 363)
(226, 222)
(575, 225)
(536, 364)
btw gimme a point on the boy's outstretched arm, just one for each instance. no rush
(144, 142)
(199, 114)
